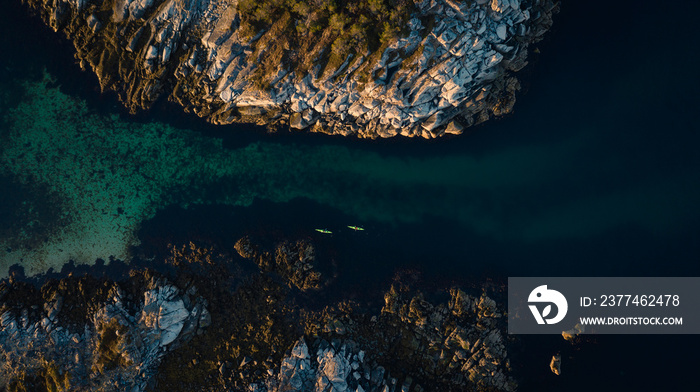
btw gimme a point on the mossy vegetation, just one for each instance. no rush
(83, 296)
(251, 330)
(49, 378)
(250, 319)
(257, 318)
(113, 338)
(301, 34)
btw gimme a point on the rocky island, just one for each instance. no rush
(375, 68)
(205, 319)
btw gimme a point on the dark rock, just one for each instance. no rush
(201, 55)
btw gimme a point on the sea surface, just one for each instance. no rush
(596, 173)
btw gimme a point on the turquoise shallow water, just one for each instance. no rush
(596, 173)
(600, 147)
(110, 174)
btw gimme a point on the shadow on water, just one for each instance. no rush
(442, 249)
(114, 270)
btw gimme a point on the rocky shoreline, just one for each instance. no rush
(454, 65)
(89, 334)
(204, 324)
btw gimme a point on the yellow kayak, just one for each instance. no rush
(324, 231)
(356, 228)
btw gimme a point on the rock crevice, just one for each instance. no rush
(453, 67)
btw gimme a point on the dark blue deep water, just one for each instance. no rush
(601, 164)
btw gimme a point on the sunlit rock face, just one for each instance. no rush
(110, 344)
(453, 65)
(451, 347)
(220, 328)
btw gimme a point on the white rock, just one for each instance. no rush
(93, 23)
(493, 59)
(336, 369)
(300, 350)
(138, 8)
(446, 37)
(6, 319)
(501, 31)
(357, 109)
(171, 313)
(420, 111)
(456, 54)
(477, 44)
(151, 53)
(434, 121)
(166, 54)
(455, 96)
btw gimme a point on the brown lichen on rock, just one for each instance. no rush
(47, 377)
(292, 261)
(392, 68)
(258, 327)
(111, 345)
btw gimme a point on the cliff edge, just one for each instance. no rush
(368, 68)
